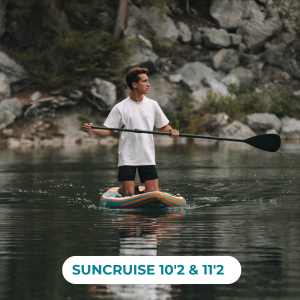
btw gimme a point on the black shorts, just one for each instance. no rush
(127, 173)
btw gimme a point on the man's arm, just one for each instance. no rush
(168, 128)
(100, 132)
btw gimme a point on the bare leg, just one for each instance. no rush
(127, 188)
(151, 185)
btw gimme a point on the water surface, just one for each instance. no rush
(242, 202)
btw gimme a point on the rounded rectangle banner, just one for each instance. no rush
(151, 269)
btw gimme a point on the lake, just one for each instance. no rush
(242, 202)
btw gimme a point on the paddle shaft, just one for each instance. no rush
(167, 133)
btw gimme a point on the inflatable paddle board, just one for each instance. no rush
(156, 199)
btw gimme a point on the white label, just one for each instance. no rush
(151, 269)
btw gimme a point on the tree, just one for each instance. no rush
(120, 18)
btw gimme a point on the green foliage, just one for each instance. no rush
(235, 107)
(252, 103)
(184, 119)
(2, 135)
(68, 41)
(243, 58)
(215, 104)
(84, 119)
(285, 103)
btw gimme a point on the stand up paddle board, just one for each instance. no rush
(155, 199)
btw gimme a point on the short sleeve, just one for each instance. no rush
(160, 118)
(114, 119)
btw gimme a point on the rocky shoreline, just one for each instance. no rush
(289, 129)
(246, 50)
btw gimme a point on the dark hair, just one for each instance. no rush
(133, 75)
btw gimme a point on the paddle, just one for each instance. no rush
(266, 142)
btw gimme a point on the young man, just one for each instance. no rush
(136, 150)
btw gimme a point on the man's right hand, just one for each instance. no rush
(87, 127)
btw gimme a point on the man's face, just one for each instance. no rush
(143, 85)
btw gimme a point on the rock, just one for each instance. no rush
(216, 86)
(196, 38)
(227, 13)
(166, 31)
(12, 143)
(131, 31)
(109, 141)
(177, 11)
(4, 87)
(297, 93)
(225, 59)
(14, 105)
(6, 116)
(72, 136)
(290, 128)
(236, 39)
(268, 45)
(61, 98)
(252, 11)
(214, 123)
(231, 80)
(230, 13)
(107, 90)
(194, 73)
(283, 57)
(57, 142)
(11, 69)
(143, 56)
(184, 33)
(256, 33)
(245, 76)
(236, 130)
(199, 97)
(35, 96)
(9, 110)
(159, 85)
(75, 94)
(274, 74)
(261, 122)
(288, 37)
(216, 38)
(165, 101)
(242, 47)
(2, 17)
(46, 142)
(220, 74)
(91, 141)
(164, 27)
(175, 78)
(26, 142)
(270, 12)
(8, 132)
(271, 131)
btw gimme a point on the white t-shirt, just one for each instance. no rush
(136, 149)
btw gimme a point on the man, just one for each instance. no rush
(136, 150)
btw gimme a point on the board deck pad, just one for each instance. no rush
(155, 199)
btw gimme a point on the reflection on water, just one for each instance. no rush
(138, 235)
(242, 202)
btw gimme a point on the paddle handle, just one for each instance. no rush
(168, 133)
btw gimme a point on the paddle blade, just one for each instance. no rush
(266, 142)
